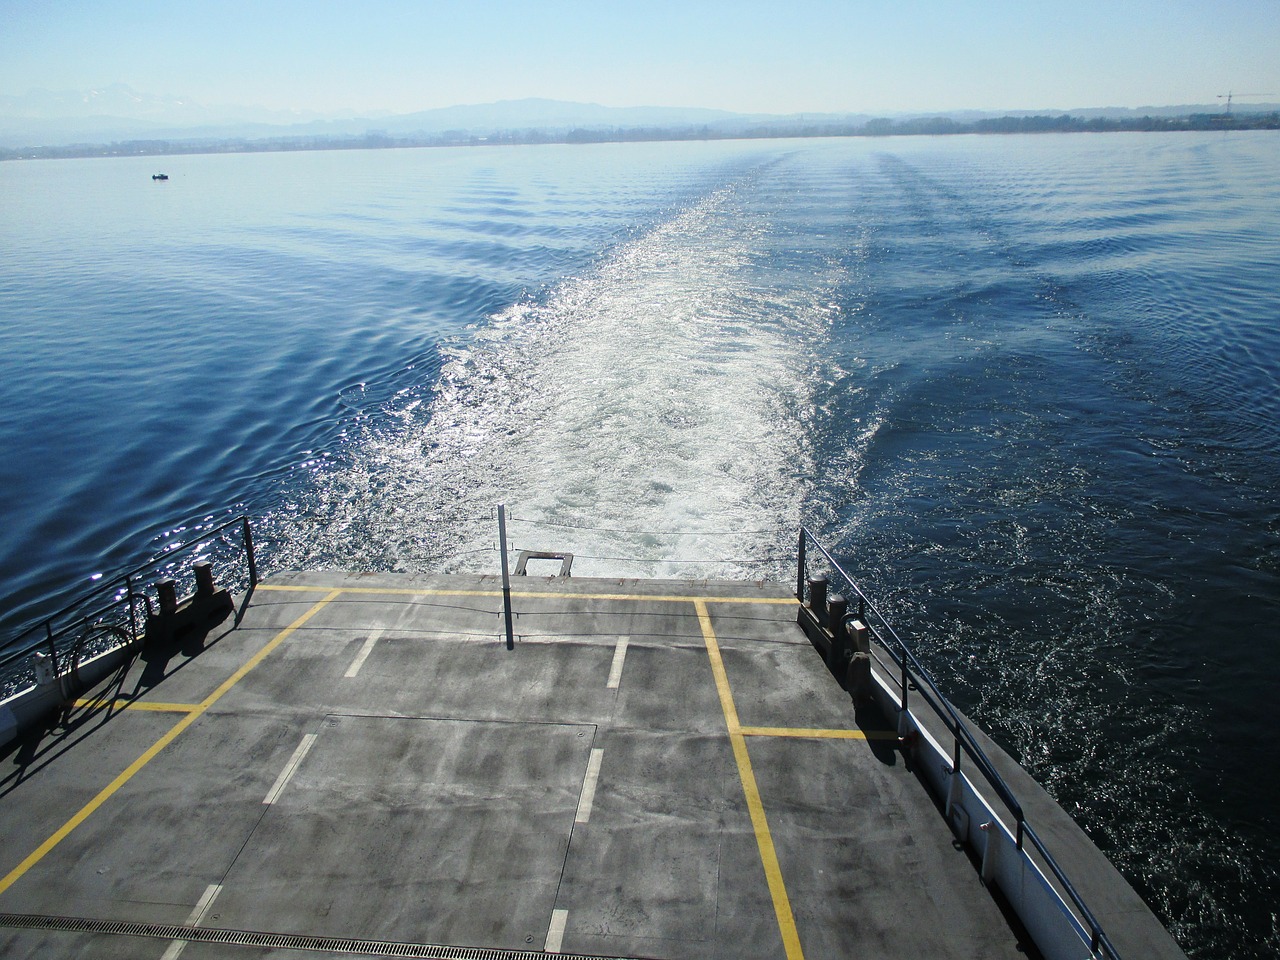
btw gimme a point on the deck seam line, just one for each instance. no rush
(534, 595)
(255, 938)
(817, 733)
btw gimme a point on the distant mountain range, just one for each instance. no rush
(118, 113)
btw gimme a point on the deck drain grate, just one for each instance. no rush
(289, 941)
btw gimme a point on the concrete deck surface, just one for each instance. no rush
(659, 769)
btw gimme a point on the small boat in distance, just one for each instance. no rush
(159, 176)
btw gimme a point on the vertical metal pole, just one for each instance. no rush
(133, 610)
(506, 577)
(53, 650)
(953, 787)
(75, 655)
(800, 568)
(248, 552)
(902, 712)
(905, 680)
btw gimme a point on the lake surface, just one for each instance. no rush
(1027, 386)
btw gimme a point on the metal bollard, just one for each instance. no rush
(167, 593)
(857, 679)
(204, 578)
(837, 607)
(818, 597)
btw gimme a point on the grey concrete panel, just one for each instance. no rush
(862, 845)
(149, 852)
(647, 863)
(784, 685)
(553, 680)
(48, 778)
(668, 687)
(438, 831)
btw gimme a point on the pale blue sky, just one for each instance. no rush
(746, 55)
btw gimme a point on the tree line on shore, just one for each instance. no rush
(915, 126)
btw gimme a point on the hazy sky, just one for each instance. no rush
(744, 55)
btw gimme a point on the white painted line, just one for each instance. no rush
(197, 916)
(619, 655)
(555, 932)
(589, 787)
(289, 768)
(363, 655)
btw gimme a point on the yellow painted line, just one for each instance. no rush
(262, 654)
(653, 598)
(806, 733)
(537, 595)
(380, 591)
(153, 705)
(128, 773)
(764, 839)
(290, 588)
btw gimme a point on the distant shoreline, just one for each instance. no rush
(376, 140)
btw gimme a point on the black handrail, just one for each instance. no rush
(45, 635)
(957, 727)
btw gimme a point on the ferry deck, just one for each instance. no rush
(362, 765)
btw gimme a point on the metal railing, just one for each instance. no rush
(111, 615)
(914, 676)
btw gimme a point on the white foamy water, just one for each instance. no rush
(648, 417)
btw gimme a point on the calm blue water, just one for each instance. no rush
(1028, 386)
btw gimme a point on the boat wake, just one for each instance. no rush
(647, 417)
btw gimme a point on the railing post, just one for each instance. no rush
(800, 568)
(76, 651)
(53, 649)
(133, 609)
(902, 713)
(248, 552)
(506, 577)
(955, 784)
